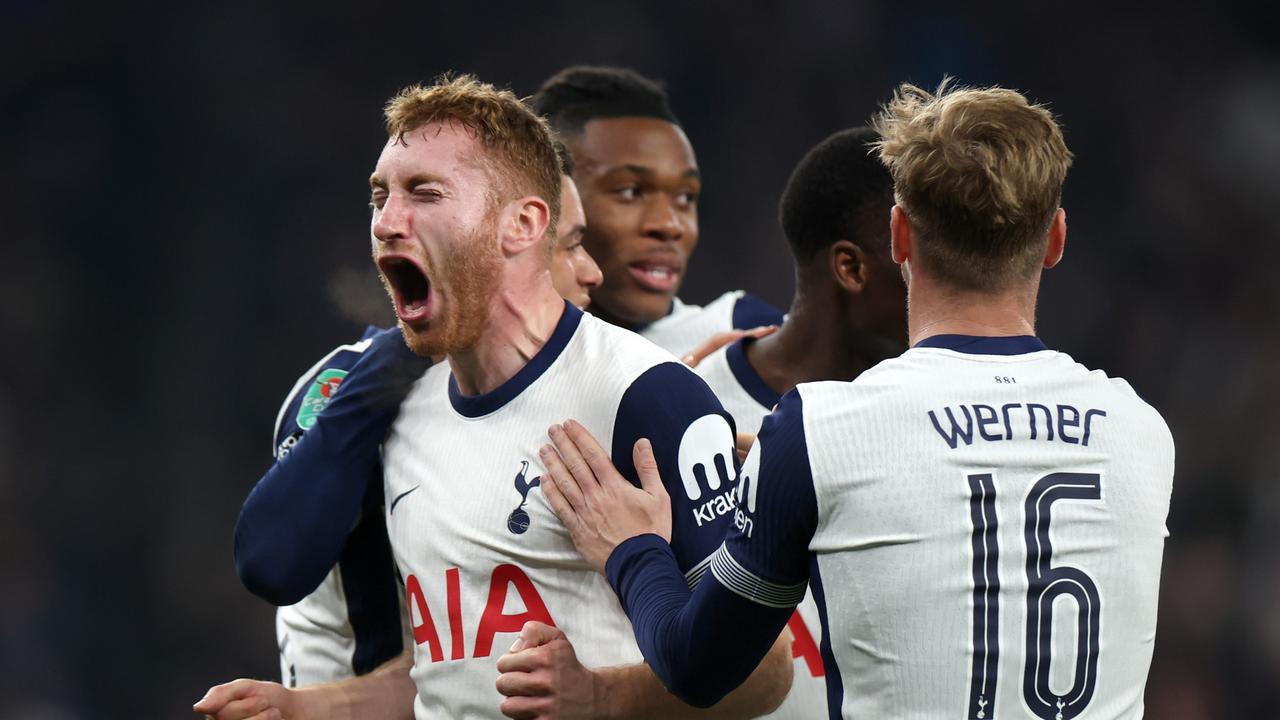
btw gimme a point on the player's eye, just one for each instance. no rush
(687, 198)
(427, 194)
(628, 192)
(377, 200)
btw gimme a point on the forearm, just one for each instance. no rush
(701, 645)
(293, 526)
(633, 692)
(386, 693)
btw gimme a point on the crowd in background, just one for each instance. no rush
(184, 231)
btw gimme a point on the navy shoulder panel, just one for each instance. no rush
(693, 443)
(750, 311)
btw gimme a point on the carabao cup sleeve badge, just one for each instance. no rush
(319, 393)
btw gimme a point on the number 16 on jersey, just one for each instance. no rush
(1045, 583)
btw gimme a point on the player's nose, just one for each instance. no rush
(392, 221)
(589, 275)
(661, 220)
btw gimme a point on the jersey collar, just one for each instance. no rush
(474, 406)
(747, 376)
(979, 345)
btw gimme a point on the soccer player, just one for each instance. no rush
(848, 314)
(464, 194)
(640, 183)
(351, 623)
(981, 520)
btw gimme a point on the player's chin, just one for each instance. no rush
(645, 306)
(421, 339)
(581, 298)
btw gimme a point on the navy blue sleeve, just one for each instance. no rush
(703, 644)
(750, 312)
(692, 439)
(294, 525)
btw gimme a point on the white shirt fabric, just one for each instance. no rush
(479, 547)
(987, 523)
(688, 326)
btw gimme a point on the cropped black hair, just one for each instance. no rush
(576, 95)
(839, 191)
(567, 166)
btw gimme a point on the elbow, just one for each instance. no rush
(698, 683)
(697, 691)
(761, 688)
(267, 575)
(774, 676)
(270, 586)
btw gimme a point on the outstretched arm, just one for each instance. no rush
(294, 524)
(725, 337)
(387, 692)
(703, 643)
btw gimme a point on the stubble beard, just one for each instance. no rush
(469, 278)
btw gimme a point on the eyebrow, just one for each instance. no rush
(575, 231)
(691, 173)
(378, 183)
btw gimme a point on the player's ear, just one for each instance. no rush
(901, 240)
(1057, 244)
(523, 223)
(849, 265)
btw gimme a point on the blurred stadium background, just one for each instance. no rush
(184, 230)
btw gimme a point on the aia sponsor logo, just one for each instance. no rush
(506, 579)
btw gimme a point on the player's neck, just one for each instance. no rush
(521, 320)
(814, 343)
(936, 309)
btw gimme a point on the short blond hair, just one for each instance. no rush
(979, 172)
(520, 146)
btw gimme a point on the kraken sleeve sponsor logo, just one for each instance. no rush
(705, 460)
(706, 455)
(747, 490)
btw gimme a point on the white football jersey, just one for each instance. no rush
(479, 547)
(348, 626)
(688, 326)
(749, 399)
(984, 519)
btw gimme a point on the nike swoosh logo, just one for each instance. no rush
(401, 497)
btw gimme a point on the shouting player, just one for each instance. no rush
(464, 195)
(640, 184)
(849, 313)
(351, 623)
(981, 520)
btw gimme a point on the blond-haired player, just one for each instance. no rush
(981, 520)
(464, 196)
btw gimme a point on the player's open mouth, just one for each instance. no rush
(657, 276)
(410, 287)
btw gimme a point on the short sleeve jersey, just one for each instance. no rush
(981, 522)
(479, 547)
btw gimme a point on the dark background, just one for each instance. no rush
(184, 229)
